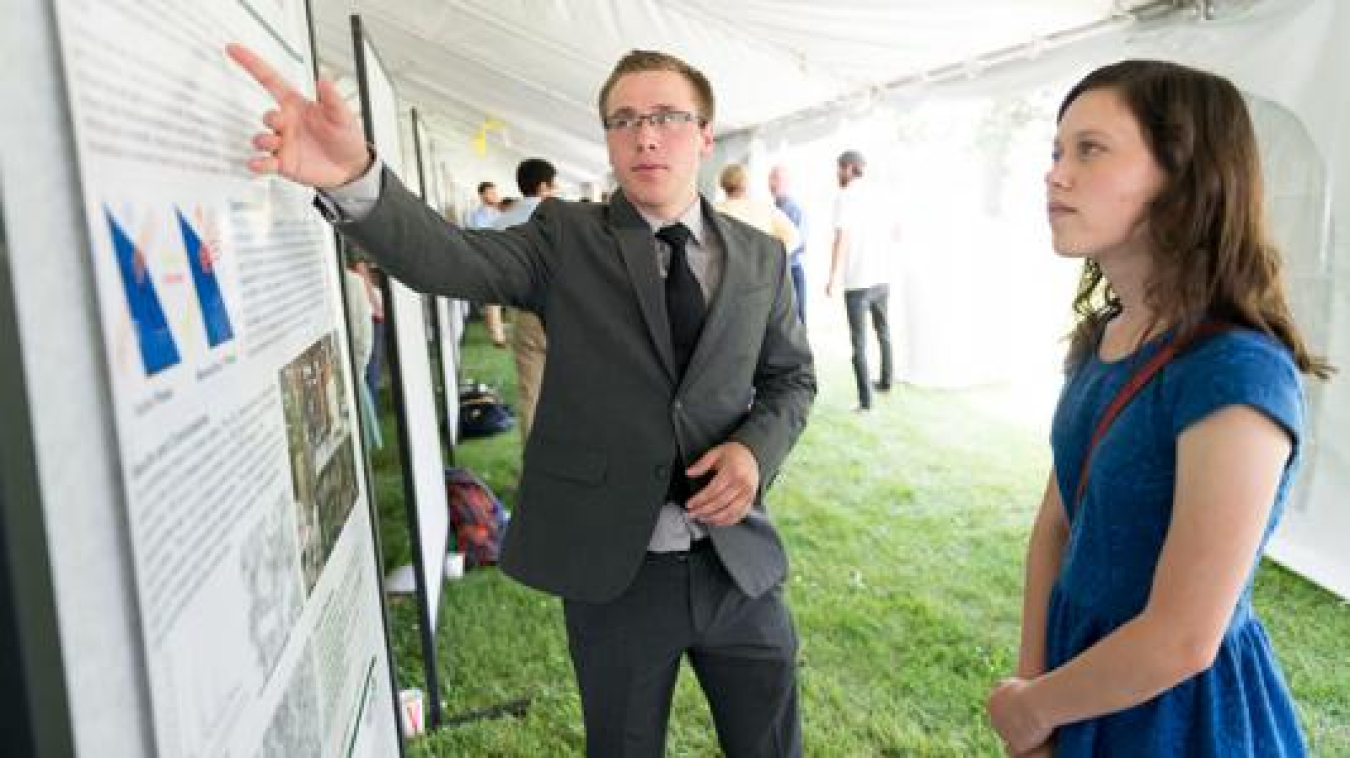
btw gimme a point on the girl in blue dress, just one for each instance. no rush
(1138, 635)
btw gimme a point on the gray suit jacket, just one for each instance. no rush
(611, 415)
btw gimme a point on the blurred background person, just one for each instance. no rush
(778, 187)
(483, 217)
(537, 180)
(761, 214)
(860, 263)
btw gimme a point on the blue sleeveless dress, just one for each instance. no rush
(1241, 705)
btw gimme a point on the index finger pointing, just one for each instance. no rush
(258, 68)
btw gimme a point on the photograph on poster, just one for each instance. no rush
(318, 441)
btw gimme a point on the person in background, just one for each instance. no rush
(760, 214)
(537, 180)
(778, 186)
(482, 217)
(358, 264)
(489, 207)
(677, 381)
(361, 321)
(860, 262)
(1138, 632)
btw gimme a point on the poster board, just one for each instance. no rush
(218, 329)
(447, 318)
(410, 365)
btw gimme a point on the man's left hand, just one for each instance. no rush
(731, 493)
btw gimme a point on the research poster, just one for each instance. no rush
(431, 525)
(448, 312)
(219, 299)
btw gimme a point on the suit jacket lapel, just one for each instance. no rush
(638, 251)
(733, 277)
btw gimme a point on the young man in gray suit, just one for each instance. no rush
(678, 378)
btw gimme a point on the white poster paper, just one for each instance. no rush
(432, 528)
(255, 564)
(449, 312)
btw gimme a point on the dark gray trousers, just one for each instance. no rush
(799, 288)
(627, 655)
(861, 303)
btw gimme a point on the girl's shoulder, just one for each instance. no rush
(1235, 367)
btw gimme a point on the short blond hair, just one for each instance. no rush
(638, 61)
(733, 179)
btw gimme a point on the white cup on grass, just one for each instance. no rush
(454, 565)
(410, 712)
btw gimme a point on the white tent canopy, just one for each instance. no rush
(524, 74)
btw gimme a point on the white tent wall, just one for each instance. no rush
(967, 307)
(1317, 526)
(1288, 56)
(961, 172)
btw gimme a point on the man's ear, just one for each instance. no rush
(705, 133)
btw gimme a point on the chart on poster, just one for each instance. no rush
(220, 306)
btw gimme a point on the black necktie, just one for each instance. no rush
(684, 296)
(684, 310)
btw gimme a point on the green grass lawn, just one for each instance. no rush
(906, 530)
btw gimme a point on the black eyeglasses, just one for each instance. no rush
(664, 121)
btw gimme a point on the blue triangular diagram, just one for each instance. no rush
(214, 313)
(158, 350)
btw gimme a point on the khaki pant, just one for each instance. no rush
(496, 328)
(529, 344)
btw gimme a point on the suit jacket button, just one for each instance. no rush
(662, 473)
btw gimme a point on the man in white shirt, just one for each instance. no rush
(860, 263)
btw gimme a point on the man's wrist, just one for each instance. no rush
(364, 169)
(354, 200)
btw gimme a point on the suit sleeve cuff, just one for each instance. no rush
(353, 201)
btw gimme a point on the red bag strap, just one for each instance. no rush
(1134, 385)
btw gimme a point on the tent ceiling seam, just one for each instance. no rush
(697, 11)
(412, 70)
(552, 45)
(974, 65)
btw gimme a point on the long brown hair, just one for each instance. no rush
(1212, 256)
